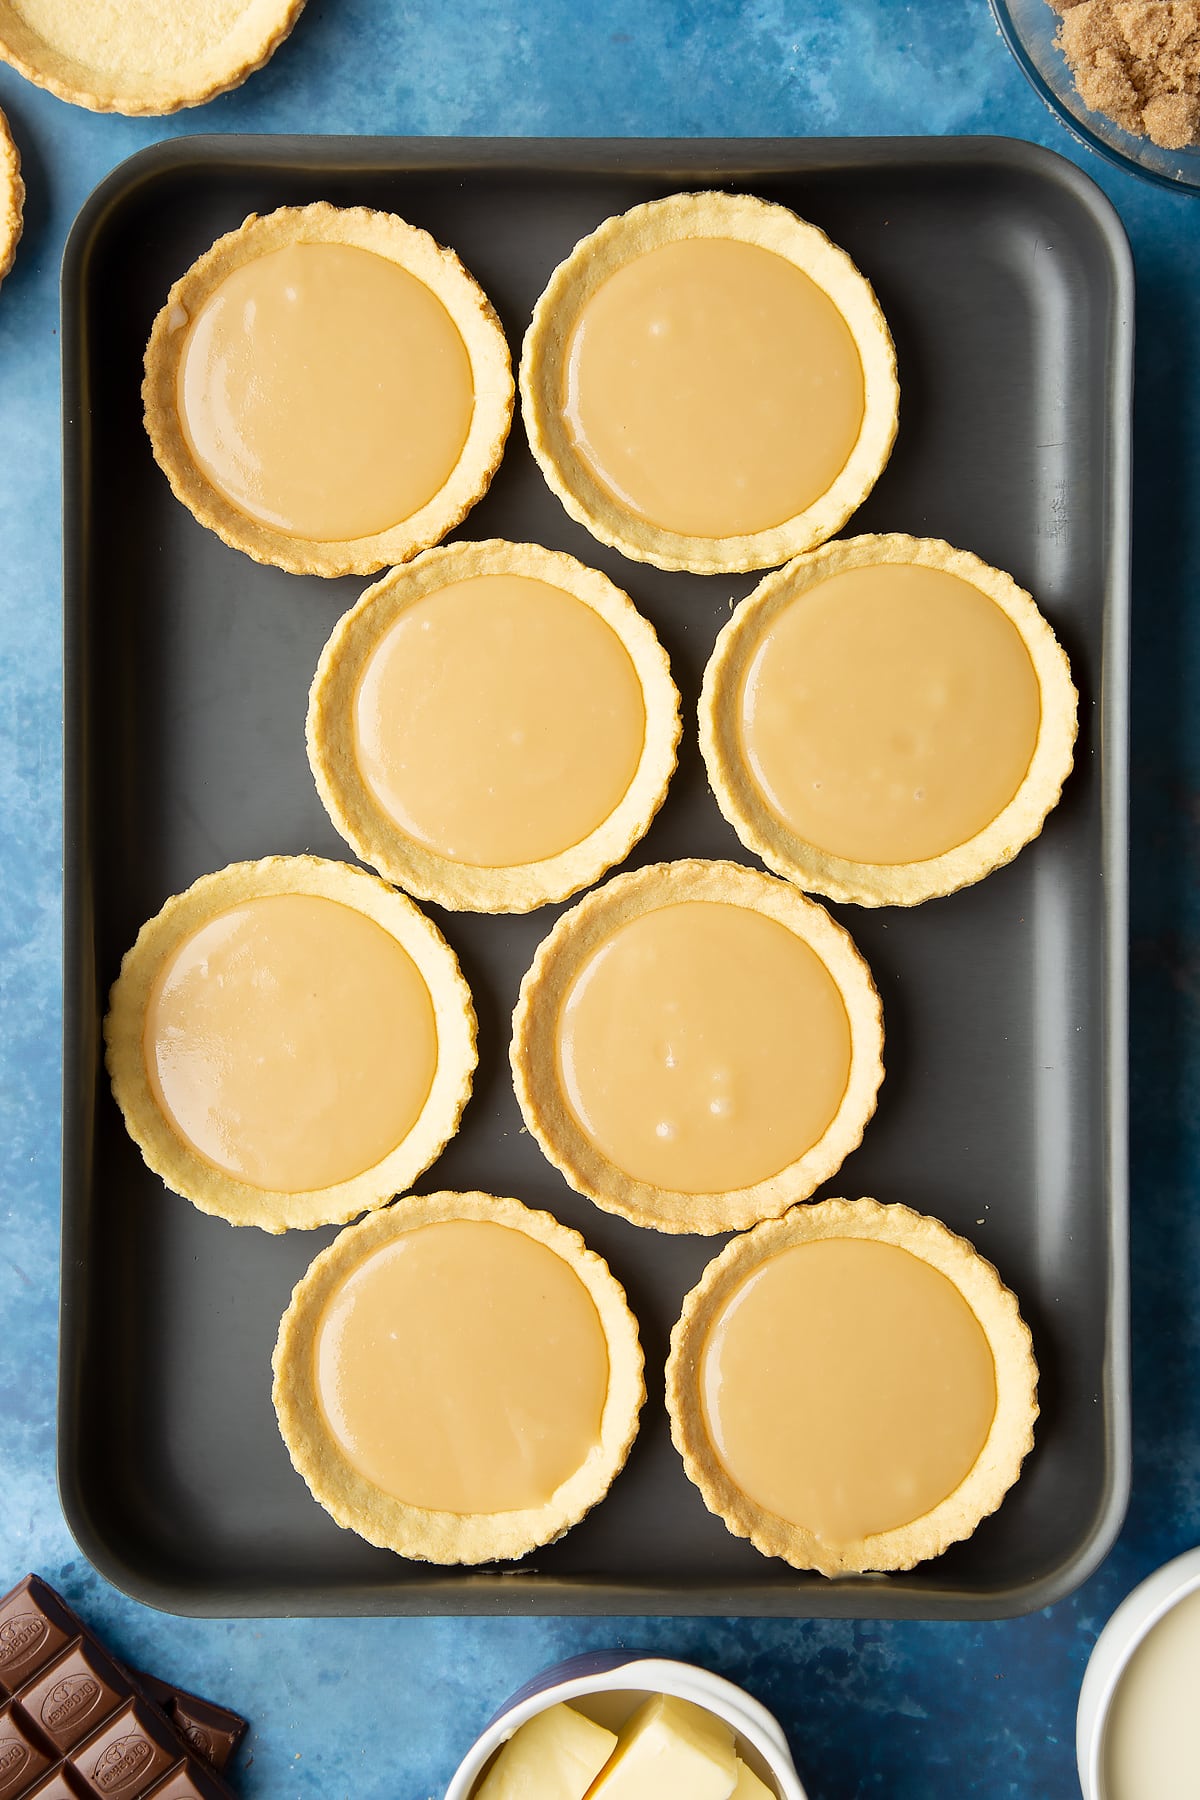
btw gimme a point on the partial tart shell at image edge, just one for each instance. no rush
(12, 198)
(137, 58)
(473, 316)
(420, 1533)
(578, 934)
(182, 1167)
(381, 841)
(615, 244)
(819, 871)
(995, 1309)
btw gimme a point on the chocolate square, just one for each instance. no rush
(34, 1627)
(59, 1784)
(190, 1781)
(128, 1754)
(213, 1732)
(75, 1695)
(22, 1758)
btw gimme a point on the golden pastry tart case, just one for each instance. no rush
(1006, 281)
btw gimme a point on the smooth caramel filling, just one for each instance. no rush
(890, 713)
(499, 720)
(712, 388)
(463, 1367)
(325, 391)
(1152, 1739)
(847, 1387)
(703, 1047)
(291, 1042)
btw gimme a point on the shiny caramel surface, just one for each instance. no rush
(462, 1367)
(499, 720)
(889, 713)
(713, 388)
(290, 1041)
(325, 391)
(703, 1047)
(847, 1387)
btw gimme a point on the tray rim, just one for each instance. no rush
(501, 1592)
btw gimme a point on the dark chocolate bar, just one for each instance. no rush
(76, 1725)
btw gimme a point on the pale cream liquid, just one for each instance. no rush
(1152, 1740)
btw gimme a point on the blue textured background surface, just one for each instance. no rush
(385, 1707)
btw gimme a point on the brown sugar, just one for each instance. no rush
(1137, 61)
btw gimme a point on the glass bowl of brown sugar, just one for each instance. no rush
(1125, 80)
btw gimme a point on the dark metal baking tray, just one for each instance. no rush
(1006, 278)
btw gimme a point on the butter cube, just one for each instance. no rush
(749, 1787)
(669, 1750)
(556, 1755)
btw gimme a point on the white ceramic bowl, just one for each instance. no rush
(1137, 1614)
(608, 1685)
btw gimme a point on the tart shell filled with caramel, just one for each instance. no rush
(458, 1379)
(887, 719)
(492, 726)
(291, 1042)
(708, 383)
(696, 1046)
(328, 389)
(851, 1387)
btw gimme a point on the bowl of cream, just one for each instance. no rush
(1137, 1733)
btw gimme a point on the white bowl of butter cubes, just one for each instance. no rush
(610, 1726)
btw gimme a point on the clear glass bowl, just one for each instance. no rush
(1029, 28)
